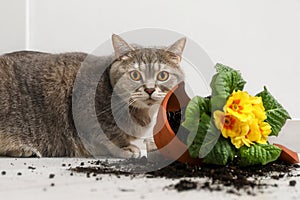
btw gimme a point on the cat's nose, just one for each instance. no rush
(149, 90)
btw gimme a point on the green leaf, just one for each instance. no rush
(210, 138)
(195, 138)
(227, 77)
(223, 84)
(221, 154)
(217, 102)
(193, 111)
(223, 68)
(202, 141)
(276, 114)
(258, 154)
(193, 144)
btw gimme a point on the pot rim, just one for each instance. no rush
(165, 106)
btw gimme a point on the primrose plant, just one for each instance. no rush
(231, 125)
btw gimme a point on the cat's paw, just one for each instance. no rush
(23, 152)
(131, 151)
(143, 121)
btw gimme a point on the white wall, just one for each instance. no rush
(261, 38)
(12, 25)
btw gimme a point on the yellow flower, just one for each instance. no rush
(229, 125)
(239, 105)
(240, 141)
(254, 133)
(225, 123)
(243, 120)
(241, 138)
(265, 130)
(258, 108)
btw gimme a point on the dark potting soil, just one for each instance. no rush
(175, 119)
(229, 178)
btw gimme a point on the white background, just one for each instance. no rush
(259, 37)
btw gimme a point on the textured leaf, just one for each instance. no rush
(258, 154)
(224, 83)
(193, 111)
(231, 79)
(217, 102)
(223, 68)
(276, 114)
(202, 141)
(195, 138)
(209, 140)
(221, 154)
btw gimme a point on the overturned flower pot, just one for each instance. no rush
(168, 140)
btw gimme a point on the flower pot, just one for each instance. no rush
(165, 138)
(287, 154)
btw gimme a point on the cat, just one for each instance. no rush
(47, 102)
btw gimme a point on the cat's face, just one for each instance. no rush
(143, 76)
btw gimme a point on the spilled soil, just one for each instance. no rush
(229, 178)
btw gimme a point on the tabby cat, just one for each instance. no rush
(38, 99)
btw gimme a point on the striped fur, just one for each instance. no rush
(37, 94)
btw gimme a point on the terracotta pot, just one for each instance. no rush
(287, 154)
(165, 138)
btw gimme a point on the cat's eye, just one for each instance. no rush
(162, 76)
(135, 75)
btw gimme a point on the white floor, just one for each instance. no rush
(35, 184)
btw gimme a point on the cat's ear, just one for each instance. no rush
(120, 46)
(177, 48)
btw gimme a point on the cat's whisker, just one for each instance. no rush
(115, 106)
(131, 102)
(119, 114)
